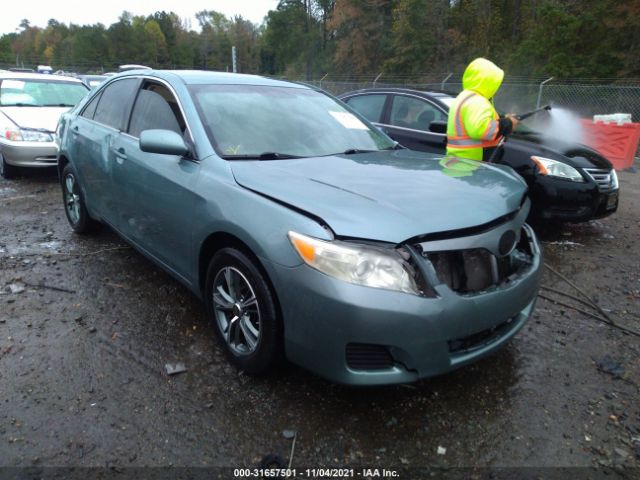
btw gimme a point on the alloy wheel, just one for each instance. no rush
(72, 198)
(236, 310)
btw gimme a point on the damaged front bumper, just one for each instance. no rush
(363, 336)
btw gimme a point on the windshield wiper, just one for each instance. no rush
(57, 105)
(19, 105)
(352, 151)
(396, 146)
(262, 156)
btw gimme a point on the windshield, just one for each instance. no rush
(40, 93)
(245, 121)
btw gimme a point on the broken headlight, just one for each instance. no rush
(361, 264)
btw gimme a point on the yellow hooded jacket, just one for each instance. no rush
(473, 123)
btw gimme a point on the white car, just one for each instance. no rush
(30, 106)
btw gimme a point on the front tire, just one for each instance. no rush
(242, 308)
(6, 170)
(74, 205)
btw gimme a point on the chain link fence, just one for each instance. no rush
(517, 94)
(589, 100)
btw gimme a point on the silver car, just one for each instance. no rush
(30, 106)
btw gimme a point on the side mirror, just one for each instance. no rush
(165, 142)
(438, 127)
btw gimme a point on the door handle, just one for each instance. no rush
(120, 153)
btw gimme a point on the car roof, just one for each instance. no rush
(36, 76)
(201, 77)
(133, 66)
(431, 93)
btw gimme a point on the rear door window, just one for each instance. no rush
(414, 113)
(90, 110)
(156, 108)
(370, 106)
(115, 102)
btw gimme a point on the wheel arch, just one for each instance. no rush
(219, 240)
(62, 162)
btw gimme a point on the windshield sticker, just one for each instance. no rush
(349, 120)
(15, 84)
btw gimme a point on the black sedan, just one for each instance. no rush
(567, 181)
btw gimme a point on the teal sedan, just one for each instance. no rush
(307, 232)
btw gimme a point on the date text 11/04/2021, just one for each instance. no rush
(316, 473)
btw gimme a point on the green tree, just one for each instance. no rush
(243, 35)
(121, 40)
(568, 39)
(215, 41)
(421, 37)
(296, 38)
(155, 43)
(362, 30)
(285, 39)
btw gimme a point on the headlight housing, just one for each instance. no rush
(16, 134)
(614, 179)
(361, 264)
(554, 168)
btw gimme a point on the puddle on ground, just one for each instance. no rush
(52, 245)
(41, 248)
(7, 191)
(574, 234)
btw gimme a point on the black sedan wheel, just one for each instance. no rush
(242, 309)
(74, 206)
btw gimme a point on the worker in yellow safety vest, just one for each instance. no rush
(474, 128)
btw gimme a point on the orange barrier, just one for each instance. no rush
(618, 143)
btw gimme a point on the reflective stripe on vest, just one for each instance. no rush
(462, 140)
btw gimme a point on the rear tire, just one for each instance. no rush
(243, 310)
(74, 206)
(6, 170)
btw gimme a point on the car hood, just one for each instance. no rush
(580, 155)
(35, 117)
(387, 196)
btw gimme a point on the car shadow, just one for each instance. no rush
(44, 175)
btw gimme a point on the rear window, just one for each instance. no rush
(368, 105)
(414, 113)
(20, 92)
(90, 110)
(115, 102)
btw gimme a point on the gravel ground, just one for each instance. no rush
(87, 325)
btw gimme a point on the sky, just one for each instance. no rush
(89, 12)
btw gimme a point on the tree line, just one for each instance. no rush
(309, 38)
